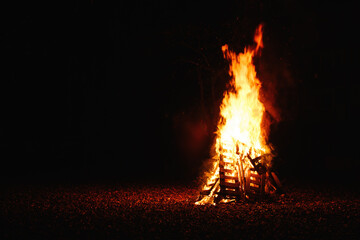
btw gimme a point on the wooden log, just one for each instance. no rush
(224, 170)
(229, 193)
(223, 176)
(205, 192)
(229, 185)
(254, 176)
(276, 179)
(262, 184)
(254, 184)
(211, 187)
(259, 167)
(242, 174)
(257, 181)
(256, 189)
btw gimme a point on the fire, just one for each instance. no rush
(258, 38)
(241, 110)
(240, 137)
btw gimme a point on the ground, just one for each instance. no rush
(144, 211)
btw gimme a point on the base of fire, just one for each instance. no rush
(238, 177)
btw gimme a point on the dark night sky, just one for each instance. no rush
(91, 91)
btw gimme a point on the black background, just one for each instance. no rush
(132, 90)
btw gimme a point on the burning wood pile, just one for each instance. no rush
(242, 162)
(238, 177)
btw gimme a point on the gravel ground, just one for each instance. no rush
(86, 211)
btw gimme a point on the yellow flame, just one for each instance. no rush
(241, 112)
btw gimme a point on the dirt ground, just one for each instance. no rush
(138, 211)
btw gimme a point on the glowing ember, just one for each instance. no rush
(242, 154)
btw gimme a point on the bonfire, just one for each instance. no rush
(241, 167)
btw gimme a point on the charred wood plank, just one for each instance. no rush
(276, 179)
(229, 193)
(205, 192)
(257, 189)
(256, 176)
(223, 176)
(222, 166)
(224, 170)
(210, 186)
(259, 167)
(229, 185)
(256, 181)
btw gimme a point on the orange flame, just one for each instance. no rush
(241, 112)
(258, 38)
